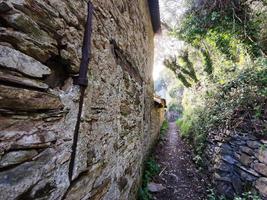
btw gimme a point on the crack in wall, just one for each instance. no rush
(125, 64)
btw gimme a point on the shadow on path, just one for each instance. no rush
(179, 175)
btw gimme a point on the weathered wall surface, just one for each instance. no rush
(118, 104)
(238, 163)
(157, 116)
(40, 51)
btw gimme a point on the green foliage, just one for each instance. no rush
(263, 147)
(164, 127)
(226, 35)
(245, 196)
(166, 79)
(143, 194)
(185, 126)
(248, 196)
(183, 68)
(176, 91)
(212, 195)
(187, 66)
(207, 61)
(151, 169)
(231, 90)
(175, 107)
(222, 26)
(237, 104)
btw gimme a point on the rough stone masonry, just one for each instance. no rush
(40, 53)
(237, 162)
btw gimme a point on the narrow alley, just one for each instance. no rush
(178, 176)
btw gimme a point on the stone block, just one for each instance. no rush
(261, 168)
(5, 7)
(247, 150)
(38, 50)
(262, 156)
(19, 180)
(246, 159)
(229, 159)
(261, 185)
(27, 100)
(16, 157)
(22, 81)
(253, 144)
(15, 60)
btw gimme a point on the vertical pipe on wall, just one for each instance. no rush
(82, 81)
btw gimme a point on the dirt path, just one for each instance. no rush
(180, 176)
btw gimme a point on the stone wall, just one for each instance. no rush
(40, 52)
(238, 163)
(158, 116)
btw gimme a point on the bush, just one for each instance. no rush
(231, 90)
(245, 196)
(151, 169)
(185, 126)
(221, 24)
(238, 104)
(164, 127)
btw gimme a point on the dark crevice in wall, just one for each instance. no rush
(59, 72)
(3, 23)
(9, 25)
(26, 195)
(44, 192)
(4, 7)
(41, 193)
(126, 65)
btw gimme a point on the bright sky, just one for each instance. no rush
(165, 45)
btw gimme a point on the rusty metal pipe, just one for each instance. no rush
(86, 49)
(82, 81)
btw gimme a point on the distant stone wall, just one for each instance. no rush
(40, 52)
(158, 116)
(238, 163)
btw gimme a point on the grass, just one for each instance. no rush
(245, 196)
(184, 127)
(151, 169)
(164, 128)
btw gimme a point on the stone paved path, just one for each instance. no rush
(179, 175)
